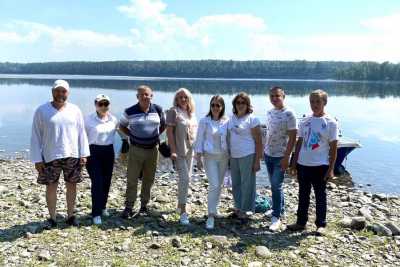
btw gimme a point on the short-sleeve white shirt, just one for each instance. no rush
(317, 133)
(279, 122)
(241, 140)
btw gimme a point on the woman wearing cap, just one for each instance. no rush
(100, 128)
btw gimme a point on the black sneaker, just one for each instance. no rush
(51, 223)
(144, 211)
(296, 227)
(72, 221)
(126, 213)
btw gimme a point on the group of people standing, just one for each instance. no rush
(63, 140)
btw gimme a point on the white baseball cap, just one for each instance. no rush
(61, 83)
(101, 97)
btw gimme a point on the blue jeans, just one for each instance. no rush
(276, 176)
(243, 183)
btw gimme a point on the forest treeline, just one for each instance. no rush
(297, 69)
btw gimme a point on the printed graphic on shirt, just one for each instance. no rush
(313, 138)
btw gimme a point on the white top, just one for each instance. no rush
(241, 141)
(58, 134)
(211, 136)
(317, 133)
(279, 122)
(100, 132)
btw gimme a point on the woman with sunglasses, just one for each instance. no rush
(181, 132)
(244, 139)
(212, 146)
(100, 128)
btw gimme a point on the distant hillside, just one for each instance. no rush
(297, 69)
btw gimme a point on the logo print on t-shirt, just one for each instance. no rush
(313, 140)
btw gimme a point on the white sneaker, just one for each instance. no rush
(275, 225)
(210, 223)
(268, 213)
(218, 215)
(105, 213)
(184, 219)
(97, 220)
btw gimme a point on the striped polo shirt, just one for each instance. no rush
(144, 127)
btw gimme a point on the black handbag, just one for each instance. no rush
(164, 149)
(124, 146)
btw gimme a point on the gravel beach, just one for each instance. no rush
(363, 228)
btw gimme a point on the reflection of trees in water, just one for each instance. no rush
(362, 89)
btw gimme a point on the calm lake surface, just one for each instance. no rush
(367, 112)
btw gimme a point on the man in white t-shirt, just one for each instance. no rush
(59, 143)
(280, 139)
(315, 156)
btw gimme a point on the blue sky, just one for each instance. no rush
(354, 30)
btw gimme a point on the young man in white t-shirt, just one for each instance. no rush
(315, 156)
(280, 139)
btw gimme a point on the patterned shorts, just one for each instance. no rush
(70, 167)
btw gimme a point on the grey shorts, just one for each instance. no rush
(70, 167)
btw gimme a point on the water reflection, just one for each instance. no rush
(367, 112)
(210, 86)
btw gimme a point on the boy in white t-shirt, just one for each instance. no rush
(315, 157)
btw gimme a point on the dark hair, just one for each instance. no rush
(246, 99)
(221, 101)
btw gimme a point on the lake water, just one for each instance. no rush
(367, 112)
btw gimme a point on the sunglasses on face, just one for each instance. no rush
(103, 104)
(240, 103)
(213, 105)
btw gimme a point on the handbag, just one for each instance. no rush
(124, 146)
(164, 149)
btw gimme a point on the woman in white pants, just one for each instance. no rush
(211, 144)
(181, 132)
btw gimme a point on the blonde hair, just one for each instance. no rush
(191, 106)
(320, 94)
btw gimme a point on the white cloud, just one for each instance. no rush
(159, 34)
(16, 38)
(143, 9)
(62, 38)
(214, 36)
(386, 23)
(245, 36)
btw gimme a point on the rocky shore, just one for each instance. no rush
(363, 228)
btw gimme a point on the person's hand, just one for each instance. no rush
(199, 161)
(174, 156)
(199, 164)
(39, 166)
(293, 171)
(284, 163)
(256, 166)
(83, 161)
(329, 175)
